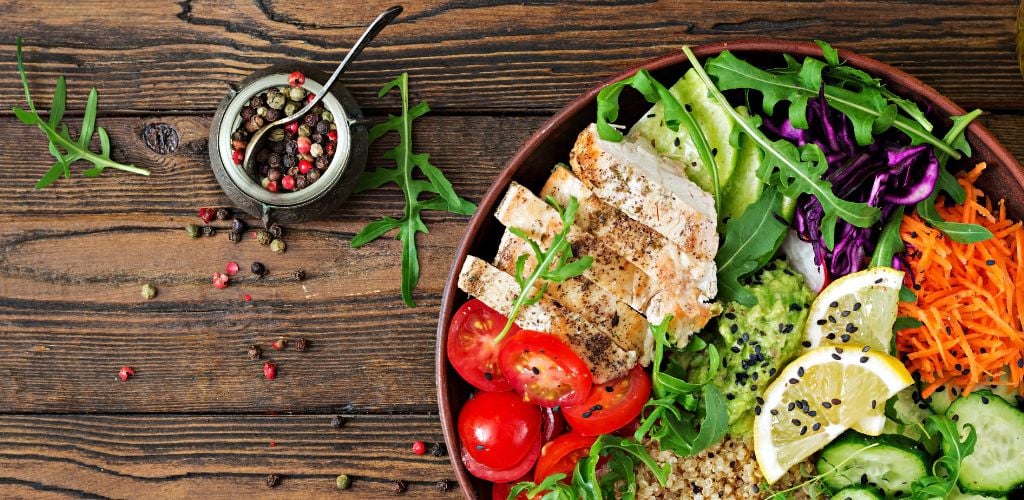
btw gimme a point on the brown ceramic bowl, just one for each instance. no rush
(552, 143)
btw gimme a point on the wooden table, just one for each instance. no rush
(198, 418)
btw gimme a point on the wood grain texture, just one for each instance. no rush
(168, 456)
(500, 55)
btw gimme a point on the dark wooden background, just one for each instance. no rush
(198, 418)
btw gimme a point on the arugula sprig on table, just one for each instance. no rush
(556, 263)
(63, 148)
(407, 162)
(685, 417)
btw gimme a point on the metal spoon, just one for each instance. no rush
(371, 31)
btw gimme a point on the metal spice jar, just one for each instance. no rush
(262, 97)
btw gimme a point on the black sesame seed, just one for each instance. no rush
(834, 304)
(917, 286)
(831, 336)
(753, 387)
(803, 430)
(730, 315)
(836, 357)
(816, 426)
(771, 372)
(790, 406)
(789, 328)
(832, 319)
(757, 410)
(844, 314)
(984, 400)
(806, 343)
(874, 404)
(759, 400)
(826, 404)
(879, 280)
(608, 388)
(812, 413)
(845, 337)
(990, 262)
(734, 328)
(864, 479)
(821, 322)
(735, 349)
(488, 376)
(536, 371)
(796, 422)
(839, 350)
(587, 414)
(774, 411)
(850, 328)
(480, 447)
(1020, 363)
(800, 371)
(863, 359)
(730, 396)
(956, 418)
(793, 381)
(866, 348)
(856, 306)
(837, 401)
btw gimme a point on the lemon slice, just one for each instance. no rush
(858, 308)
(818, 396)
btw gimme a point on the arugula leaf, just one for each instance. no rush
(749, 241)
(65, 150)
(412, 188)
(863, 107)
(889, 241)
(960, 232)
(674, 114)
(794, 170)
(554, 264)
(946, 469)
(903, 322)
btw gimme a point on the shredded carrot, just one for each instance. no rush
(970, 309)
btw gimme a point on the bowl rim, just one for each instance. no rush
(889, 74)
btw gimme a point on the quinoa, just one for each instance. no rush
(726, 470)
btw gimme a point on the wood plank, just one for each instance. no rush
(73, 260)
(173, 456)
(501, 55)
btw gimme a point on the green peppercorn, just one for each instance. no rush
(276, 230)
(283, 89)
(290, 108)
(296, 93)
(334, 126)
(264, 182)
(263, 236)
(327, 116)
(148, 291)
(343, 482)
(261, 111)
(276, 100)
(192, 230)
(277, 134)
(316, 150)
(277, 246)
(304, 131)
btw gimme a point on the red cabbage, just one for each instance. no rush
(886, 174)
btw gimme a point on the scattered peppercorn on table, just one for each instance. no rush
(138, 361)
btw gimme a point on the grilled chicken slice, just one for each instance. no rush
(638, 243)
(499, 290)
(523, 210)
(626, 327)
(633, 178)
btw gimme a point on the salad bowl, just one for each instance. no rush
(552, 143)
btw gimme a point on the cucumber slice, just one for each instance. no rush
(956, 494)
(857, 493)
(944, 396)
(905, 413)
(892, 465)
(997, 465)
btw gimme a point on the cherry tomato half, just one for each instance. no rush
(552, 424)
(500, 491)
(611, 405)
(544, 369)
(561, 455)
(498, 428)
(516, 470)
(471, 347)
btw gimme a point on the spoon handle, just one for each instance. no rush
(372, 30)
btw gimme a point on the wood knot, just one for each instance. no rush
(162, 138)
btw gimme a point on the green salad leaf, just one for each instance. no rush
(407, 162)
(889, 241)
(749, 241)
(554, 264)
(864, 107)
(62, 147)
(946, 469)
(794, 170)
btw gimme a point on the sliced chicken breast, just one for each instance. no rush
(638, 243)
(633, 178)
(626, 327)
(499, 290)
(523, 210)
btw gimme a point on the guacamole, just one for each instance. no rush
(755, 342)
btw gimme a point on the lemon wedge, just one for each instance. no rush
(816, 397)
(858, 308)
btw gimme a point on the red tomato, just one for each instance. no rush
(611, 405)
(513, 472)
(498, 428)
(561, 455)
(544, 370)
(471, 347)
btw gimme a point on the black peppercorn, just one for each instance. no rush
(291, 147)
(310, 120)
(239, 135)
(276, 230)
(255, 352)
(313, 176)
(398, 487)
(223, 214)
(301, 345)
(262, 156)
(255, 102)
(234, 236)
(209, 231)
(274, 160)
(277, 146)
(438, 449)
(273, 174)
(247, 113)
(338, 422)
(444, 485)
(290, 161)
(273, 114)
(301, 182)
(322, 127)
(238, 225)
(273, 480)
(299, 275)
(322, 163)
(258, 269)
